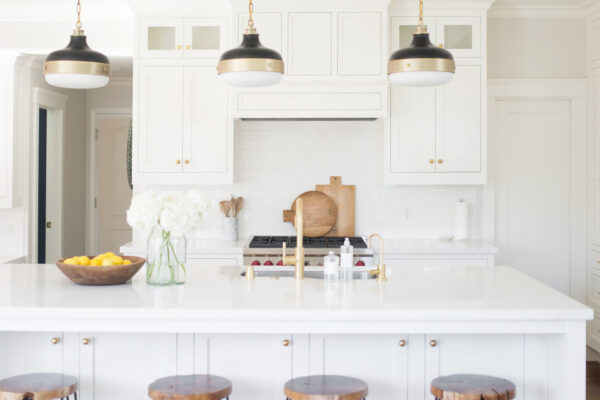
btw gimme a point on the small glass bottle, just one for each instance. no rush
(331, 266)
(346, 258)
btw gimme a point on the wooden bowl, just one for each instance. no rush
(101, 275)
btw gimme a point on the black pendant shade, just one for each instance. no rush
(251, 48)
(78, 50)
(421, 47)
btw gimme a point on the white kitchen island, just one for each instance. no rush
(396, 335)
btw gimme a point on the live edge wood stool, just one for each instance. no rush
(38, 387)
(190, 387)
(472, 387)
(325, 387)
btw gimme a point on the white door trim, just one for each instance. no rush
(91, 211)
(575, 91)
(56, 103)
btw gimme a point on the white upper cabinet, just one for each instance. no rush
(460, 35)
(310, 44)
(183, 37)
(438, 135)
(360, 41)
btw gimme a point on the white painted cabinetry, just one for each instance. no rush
(438, 135)
(182, 130)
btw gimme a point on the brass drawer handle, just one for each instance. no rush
(187, 47)
(177, 162)
(285, 343)
(55, 340)
(440, 161)
(85, 341)
(178, 47)
(432, 343)
(186, 161)
(402, 343)
(431, 161)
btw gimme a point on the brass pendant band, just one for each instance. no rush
(250, 64)
(421, 64)
(76, 67)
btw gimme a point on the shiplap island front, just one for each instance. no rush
(396, 335)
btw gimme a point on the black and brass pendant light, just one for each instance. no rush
(250, 64)
(77, 66)
(421, 64)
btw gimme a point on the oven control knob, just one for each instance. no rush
(255, 262)
(280, 263)
(268, 262)
(360, 263)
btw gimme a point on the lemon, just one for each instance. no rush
(108, 254)
(126, 262)
(107, 262)
(71, 261)
(96, 262)
(83, 260)
(116, 260)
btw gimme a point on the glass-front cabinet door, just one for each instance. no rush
(403, 28)
(460, 35)
(205, 37)
(161, 38)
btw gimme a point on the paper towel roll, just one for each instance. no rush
(461, 220)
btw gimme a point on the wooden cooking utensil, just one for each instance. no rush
(320, 213)
(344, 197)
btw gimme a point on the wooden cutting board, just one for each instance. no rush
(344, 197)
(320, 213)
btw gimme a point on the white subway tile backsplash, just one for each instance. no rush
(278, 160)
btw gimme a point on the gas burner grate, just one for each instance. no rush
(269, 242)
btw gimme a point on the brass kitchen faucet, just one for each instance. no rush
(298, 259)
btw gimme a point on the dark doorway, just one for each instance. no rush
(42, 140)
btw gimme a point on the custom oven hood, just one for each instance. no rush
(311, 101)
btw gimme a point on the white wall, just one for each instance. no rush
(278, 160)
(536, 48)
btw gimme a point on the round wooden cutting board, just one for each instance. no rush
(320, 213)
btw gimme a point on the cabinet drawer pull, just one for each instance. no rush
(402, 343)
(440, 161)
(187, 47)
(55, 340)
(431, 161)
(285, 343)
(178, 47)
(85, 341)
(186, 161)
(432, 343)
(177, 161)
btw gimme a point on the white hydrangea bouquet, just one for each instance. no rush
(169, 216)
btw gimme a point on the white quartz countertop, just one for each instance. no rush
(39, 297)
(391, 247)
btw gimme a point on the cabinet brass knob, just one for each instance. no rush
(186, 161)
(285, 343)
(177, 161)
(187, 47)
(49, 224)
(432, 343)
(440, 161)
(431, 161)
(85, 341)
(55, 340)
(402, 343)
(178, 47)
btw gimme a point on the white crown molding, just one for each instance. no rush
(520, 10)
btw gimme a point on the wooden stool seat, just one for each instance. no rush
(325, 387)
(472, 387)
(190, 387)
(37, 387)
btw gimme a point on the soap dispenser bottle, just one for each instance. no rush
(331, 266)
(346, 258)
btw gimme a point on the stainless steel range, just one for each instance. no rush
(267, 250)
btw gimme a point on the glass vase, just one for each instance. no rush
(166, 258)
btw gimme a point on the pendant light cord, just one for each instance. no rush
(421, 28)
(251, 29)
(78, 31)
